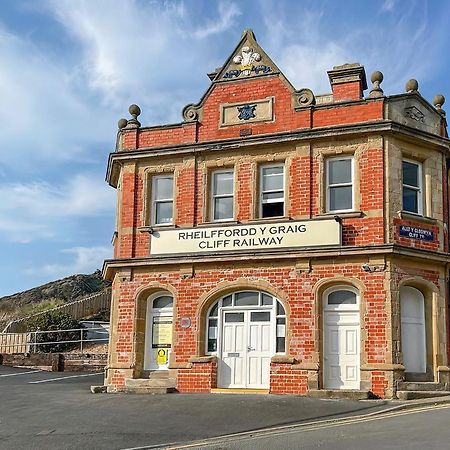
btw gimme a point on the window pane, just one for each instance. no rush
(212, 345)
(246, 299)
(267, 300)
(214, 310)
(410, 200)
(340, 171)
(281, 344)
(273, 209)
(163, 188)
(212, 329)
(234, 317)
(223, 208)
(342, 298)
(263, 316)
(163, 212)
(272, 178)
(226, 301)
(340, 198)
(165, 301)
(410, 174)
(280, 309)
(272, 196)
(281, 327)
(223, 183)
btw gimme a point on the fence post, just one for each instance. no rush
(35, 340)
(81, 340)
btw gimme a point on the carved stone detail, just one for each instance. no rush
(190, 113)
(305, 97)
(415, 114)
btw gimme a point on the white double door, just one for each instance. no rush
(341, 350)
(248, 343)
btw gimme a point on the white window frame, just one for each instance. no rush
(165, 200)
(261, 191)
(419, 189)
(341, 307)
(214, 196)
(327, 184)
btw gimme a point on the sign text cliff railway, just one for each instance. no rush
(246, 237)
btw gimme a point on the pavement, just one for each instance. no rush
(51, 410)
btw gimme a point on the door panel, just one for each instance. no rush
(341, 350)
(248, 343)
(413, 333)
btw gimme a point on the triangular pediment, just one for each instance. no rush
(248, 60)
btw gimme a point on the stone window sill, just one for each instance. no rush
(411, 216)
(342, 215)
(218, 223)
(150, 229)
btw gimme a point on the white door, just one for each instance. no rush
(259, 350)
(341, 350)
(412, 308)
(158, 336)
(246, 349)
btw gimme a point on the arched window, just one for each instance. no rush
(263, 307)
(341, 298)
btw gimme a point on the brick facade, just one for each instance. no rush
(373, 259)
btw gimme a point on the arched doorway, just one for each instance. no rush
(158, 331)
(341, 338)
(245, 329)
(413, 334)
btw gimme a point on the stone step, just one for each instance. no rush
(415, 395)
(150, 383)
(149, 390)
(159, 374)
(339, 394)
(420, 386)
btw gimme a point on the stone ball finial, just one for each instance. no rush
(412, 85)
(122, 123)
(376, 91)
(377, 76)
(134, 110)
(438, 101)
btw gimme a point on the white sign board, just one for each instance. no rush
(308, 233)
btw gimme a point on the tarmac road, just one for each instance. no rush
(50, 410)
(410, 429)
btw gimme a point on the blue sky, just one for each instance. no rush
(70, 69)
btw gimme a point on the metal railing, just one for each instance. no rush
(52, 341)
(78, 309)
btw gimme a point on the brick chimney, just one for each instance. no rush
(347, 82)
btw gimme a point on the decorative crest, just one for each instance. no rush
(246, 112)
(246, 61)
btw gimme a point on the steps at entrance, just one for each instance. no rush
(414, 390)
(339, 394)
(420, 386)
(415, 395)
(159, 382)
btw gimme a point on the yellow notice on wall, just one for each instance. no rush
(162, 332)
(162, 356)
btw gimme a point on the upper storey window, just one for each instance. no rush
(340, 184)
(222, 195)
(162, 200)
(412, 187)
(272, 190)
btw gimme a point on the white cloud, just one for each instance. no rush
(36, 210)
(227, 13)
(84, 260)
(388, 5)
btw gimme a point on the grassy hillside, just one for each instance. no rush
(49, 295)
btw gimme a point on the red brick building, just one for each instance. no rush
(282, 241)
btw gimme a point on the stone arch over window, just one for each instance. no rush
(143, 295)
(223, 289)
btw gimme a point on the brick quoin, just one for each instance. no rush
(301, 131)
